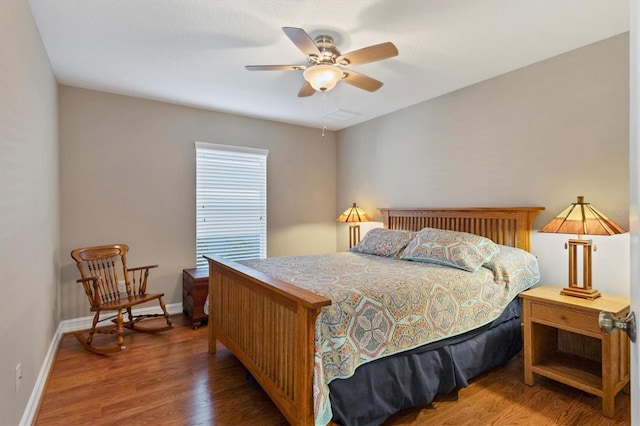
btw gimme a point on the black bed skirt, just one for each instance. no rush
(385, 386)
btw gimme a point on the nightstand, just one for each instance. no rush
(195, 287)
(563, 341)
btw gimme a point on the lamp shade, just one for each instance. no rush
(323, 77)
(582, 218)
(354, 214)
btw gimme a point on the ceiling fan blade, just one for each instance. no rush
(361, 81)
(306, 90)
(275, 67)
(368, 54)
(302, 40)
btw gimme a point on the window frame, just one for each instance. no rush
(227, 233)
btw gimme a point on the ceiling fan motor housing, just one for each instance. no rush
(328, 50)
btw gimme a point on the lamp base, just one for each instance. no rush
(584, 291)
(589, 294)
(354, 234)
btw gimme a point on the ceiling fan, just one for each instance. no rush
(326, 62)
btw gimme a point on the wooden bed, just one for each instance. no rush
(269, 324)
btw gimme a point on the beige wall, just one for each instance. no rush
(29, 209)
(540, 135)
(555, 130)
(127, 174)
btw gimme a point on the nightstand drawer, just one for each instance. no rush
(560, 317)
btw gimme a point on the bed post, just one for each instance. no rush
(385, 217)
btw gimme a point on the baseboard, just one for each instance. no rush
(36, 393)
(68, 326)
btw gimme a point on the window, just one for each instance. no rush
(231, 202)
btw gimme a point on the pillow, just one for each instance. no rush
(512, 265)
(458, 249)
(384, 242)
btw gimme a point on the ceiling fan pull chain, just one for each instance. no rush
(324, 104)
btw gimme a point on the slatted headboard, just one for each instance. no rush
(509, 226)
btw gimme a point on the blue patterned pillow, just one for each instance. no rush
(511, 265)
(458, 249)
(384, 242)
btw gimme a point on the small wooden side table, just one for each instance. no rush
(195, 287)
(563, 341)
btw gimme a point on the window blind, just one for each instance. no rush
(231, 202)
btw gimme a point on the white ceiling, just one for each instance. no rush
(193, 52)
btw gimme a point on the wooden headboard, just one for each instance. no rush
(509, 226)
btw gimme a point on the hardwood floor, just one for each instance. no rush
(170, 379)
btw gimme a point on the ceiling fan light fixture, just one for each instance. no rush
(323, 77)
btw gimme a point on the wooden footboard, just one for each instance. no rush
(269, 326)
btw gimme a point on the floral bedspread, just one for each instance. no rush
(382, 306)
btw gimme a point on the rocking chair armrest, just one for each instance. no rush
(93, 295)
(140, 275)
(94, 279)
(141, 268)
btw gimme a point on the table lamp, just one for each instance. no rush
(354, 215)
(582, 219)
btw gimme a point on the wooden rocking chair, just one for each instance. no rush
(99, 267)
